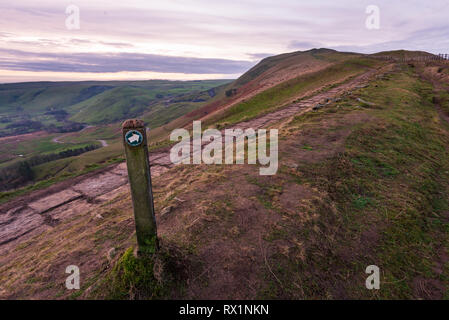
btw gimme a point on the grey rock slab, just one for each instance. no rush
(120, 169)
(24, 222)
(93, 187)
(72, 209)
(54, 200)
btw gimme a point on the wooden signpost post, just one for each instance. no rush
(138, 163)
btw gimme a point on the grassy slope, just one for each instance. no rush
(390, 190)
(37, 96)
(38, 146)
(271, 65)
(111, 106)
(105, 132)
(400, 54)
(91, 102)
(267, 73)
(128, 100)
(382, 200)
(283, 93)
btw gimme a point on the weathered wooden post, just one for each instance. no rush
(138, 163)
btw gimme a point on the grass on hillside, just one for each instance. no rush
(100, 102)
(128, 102)
(157, 117)
(75, 166)
(390, 189)
(384, 201)
(104, 132)
(111, 105)
(155, 276)
(56, 171)
(39, 146)
(284, 92)
(35, 97)
(29, 107)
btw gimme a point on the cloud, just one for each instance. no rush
(259, 56)
(295, 44)
(76, 41)
(117, 44)
(221, 35)
(116, 62)
(434, 40)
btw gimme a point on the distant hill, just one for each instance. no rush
(53, 104)
(275, 70)
(274, 81)
(270, 67)
(402, 54)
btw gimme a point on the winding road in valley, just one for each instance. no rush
(58, 139)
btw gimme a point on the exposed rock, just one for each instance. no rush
(100, 185)
(365, 102)
(291, 165)
(55, 200)
(318, 106)
(111, 254)
(178, 199)
(19, 224)
(166, 210)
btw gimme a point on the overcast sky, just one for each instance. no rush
(201, 39)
